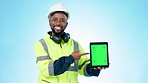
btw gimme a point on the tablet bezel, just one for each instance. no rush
(99, 43)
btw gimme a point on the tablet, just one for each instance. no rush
(99, 54)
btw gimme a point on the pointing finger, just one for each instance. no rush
(83, 54)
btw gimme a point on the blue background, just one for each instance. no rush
(122, 23)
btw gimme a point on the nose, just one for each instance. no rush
(58, 22)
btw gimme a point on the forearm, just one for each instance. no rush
(62, 64)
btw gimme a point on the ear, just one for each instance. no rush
(66, 24)
(49, 22)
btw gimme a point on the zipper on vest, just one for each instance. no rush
(60, 45)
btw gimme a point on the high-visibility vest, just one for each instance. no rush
(47, 51)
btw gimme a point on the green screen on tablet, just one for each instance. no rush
(99, 54)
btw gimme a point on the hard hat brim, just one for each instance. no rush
(52, 13)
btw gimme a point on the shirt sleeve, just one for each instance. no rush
(62, 64)
(91, 71)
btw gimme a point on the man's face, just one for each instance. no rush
(58, 22)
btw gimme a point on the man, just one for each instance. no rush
(60, 58)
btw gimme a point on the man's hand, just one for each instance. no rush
(100, 68)
(76, 55)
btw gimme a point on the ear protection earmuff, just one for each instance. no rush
(58, 38)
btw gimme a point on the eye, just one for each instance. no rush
(63, 20)
(54, 19)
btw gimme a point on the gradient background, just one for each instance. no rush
(122, 23)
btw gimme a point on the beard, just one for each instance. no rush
(55, 33)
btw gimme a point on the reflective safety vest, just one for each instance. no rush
(47, 51)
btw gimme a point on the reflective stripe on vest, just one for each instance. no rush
(40, 58)
(50, 65)
(44, 45)
(51, 68)
(76, 47)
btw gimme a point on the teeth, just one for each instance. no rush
(58, 28)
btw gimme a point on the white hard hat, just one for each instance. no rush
(58, 8)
